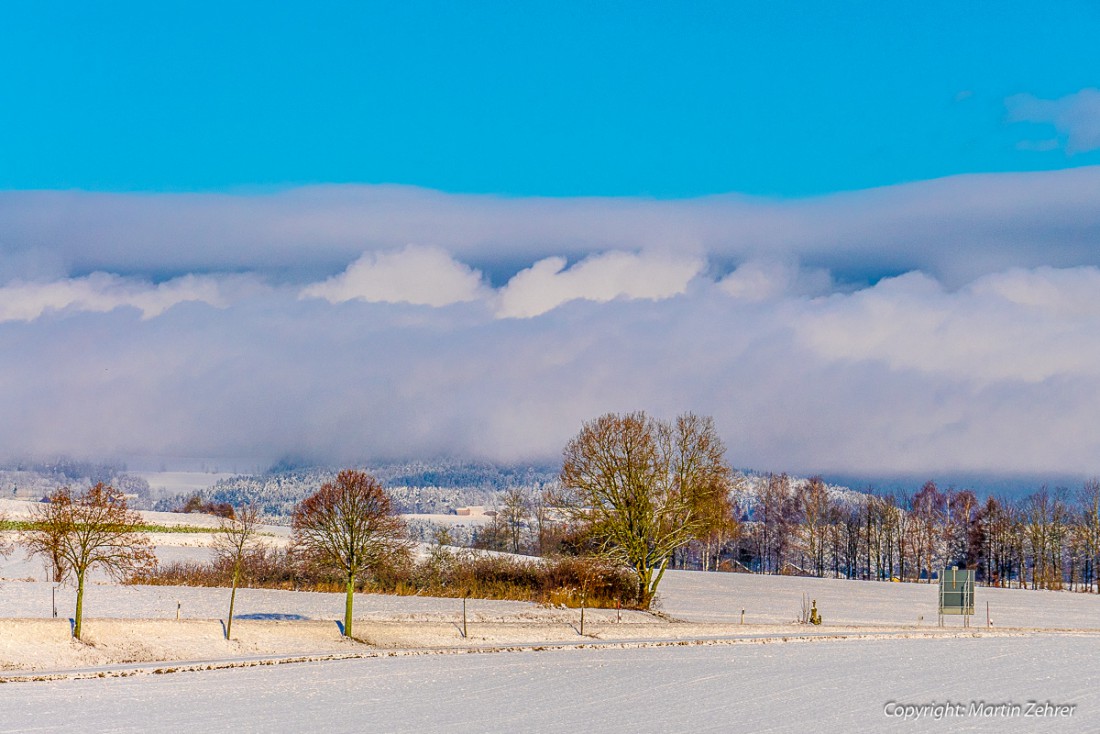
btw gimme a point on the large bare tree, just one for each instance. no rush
(80, 532)
(640, 486)
(349, 527)
(237, 539)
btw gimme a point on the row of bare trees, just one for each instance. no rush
(348, 526)
(1049, 539)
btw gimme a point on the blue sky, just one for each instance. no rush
(864, 236)
(556, 99)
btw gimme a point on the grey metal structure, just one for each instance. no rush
(957, 593)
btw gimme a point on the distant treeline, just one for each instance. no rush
(1049, 539)
(1046, 540)
(39, 478)
(415, 487)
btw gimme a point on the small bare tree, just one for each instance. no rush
(514, 514)
(93, 529)
(237, 538)
(349, 526)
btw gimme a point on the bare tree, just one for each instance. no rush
(704, 478)
(514, 515)
(237, 538)
(636, 483)
(775, 517)
(94, 529)
(1088, 498)
(349, 526)
(928, 517)
(1039, 529)
(542, 511)
(903, 539)
(814, 503)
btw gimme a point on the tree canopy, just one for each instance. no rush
(644, 487)
(349, 527)
(93, 529)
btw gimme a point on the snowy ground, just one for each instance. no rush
(763, 676)
(713, 597)
(533, 671)
(794, 687)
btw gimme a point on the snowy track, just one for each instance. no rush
(364, 650)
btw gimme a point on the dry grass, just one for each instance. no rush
(558, 581)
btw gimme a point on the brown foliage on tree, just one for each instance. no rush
(195, 503)
(644, 488)
(349, 527)
(94, 529)
(705, 478)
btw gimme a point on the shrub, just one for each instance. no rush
(559, 581)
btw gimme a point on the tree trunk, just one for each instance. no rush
(232, 599)
(79, 604)
(347, 606)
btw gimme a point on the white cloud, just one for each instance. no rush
(954, 229)
(1019, 325)
(983, 355)
(765, 280)
(906, 375)
(1075, 116)
(425, 276)
(102, 292)
(548, 283)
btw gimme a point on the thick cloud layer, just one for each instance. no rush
(954, 229)
(948, 325)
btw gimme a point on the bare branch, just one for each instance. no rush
(349, 526)
(80, 532)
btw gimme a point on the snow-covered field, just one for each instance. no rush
(764, 676)
(711, 597)
(522, 667)
(794, 687)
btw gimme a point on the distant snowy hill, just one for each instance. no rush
(417, 487)
(420, 487)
